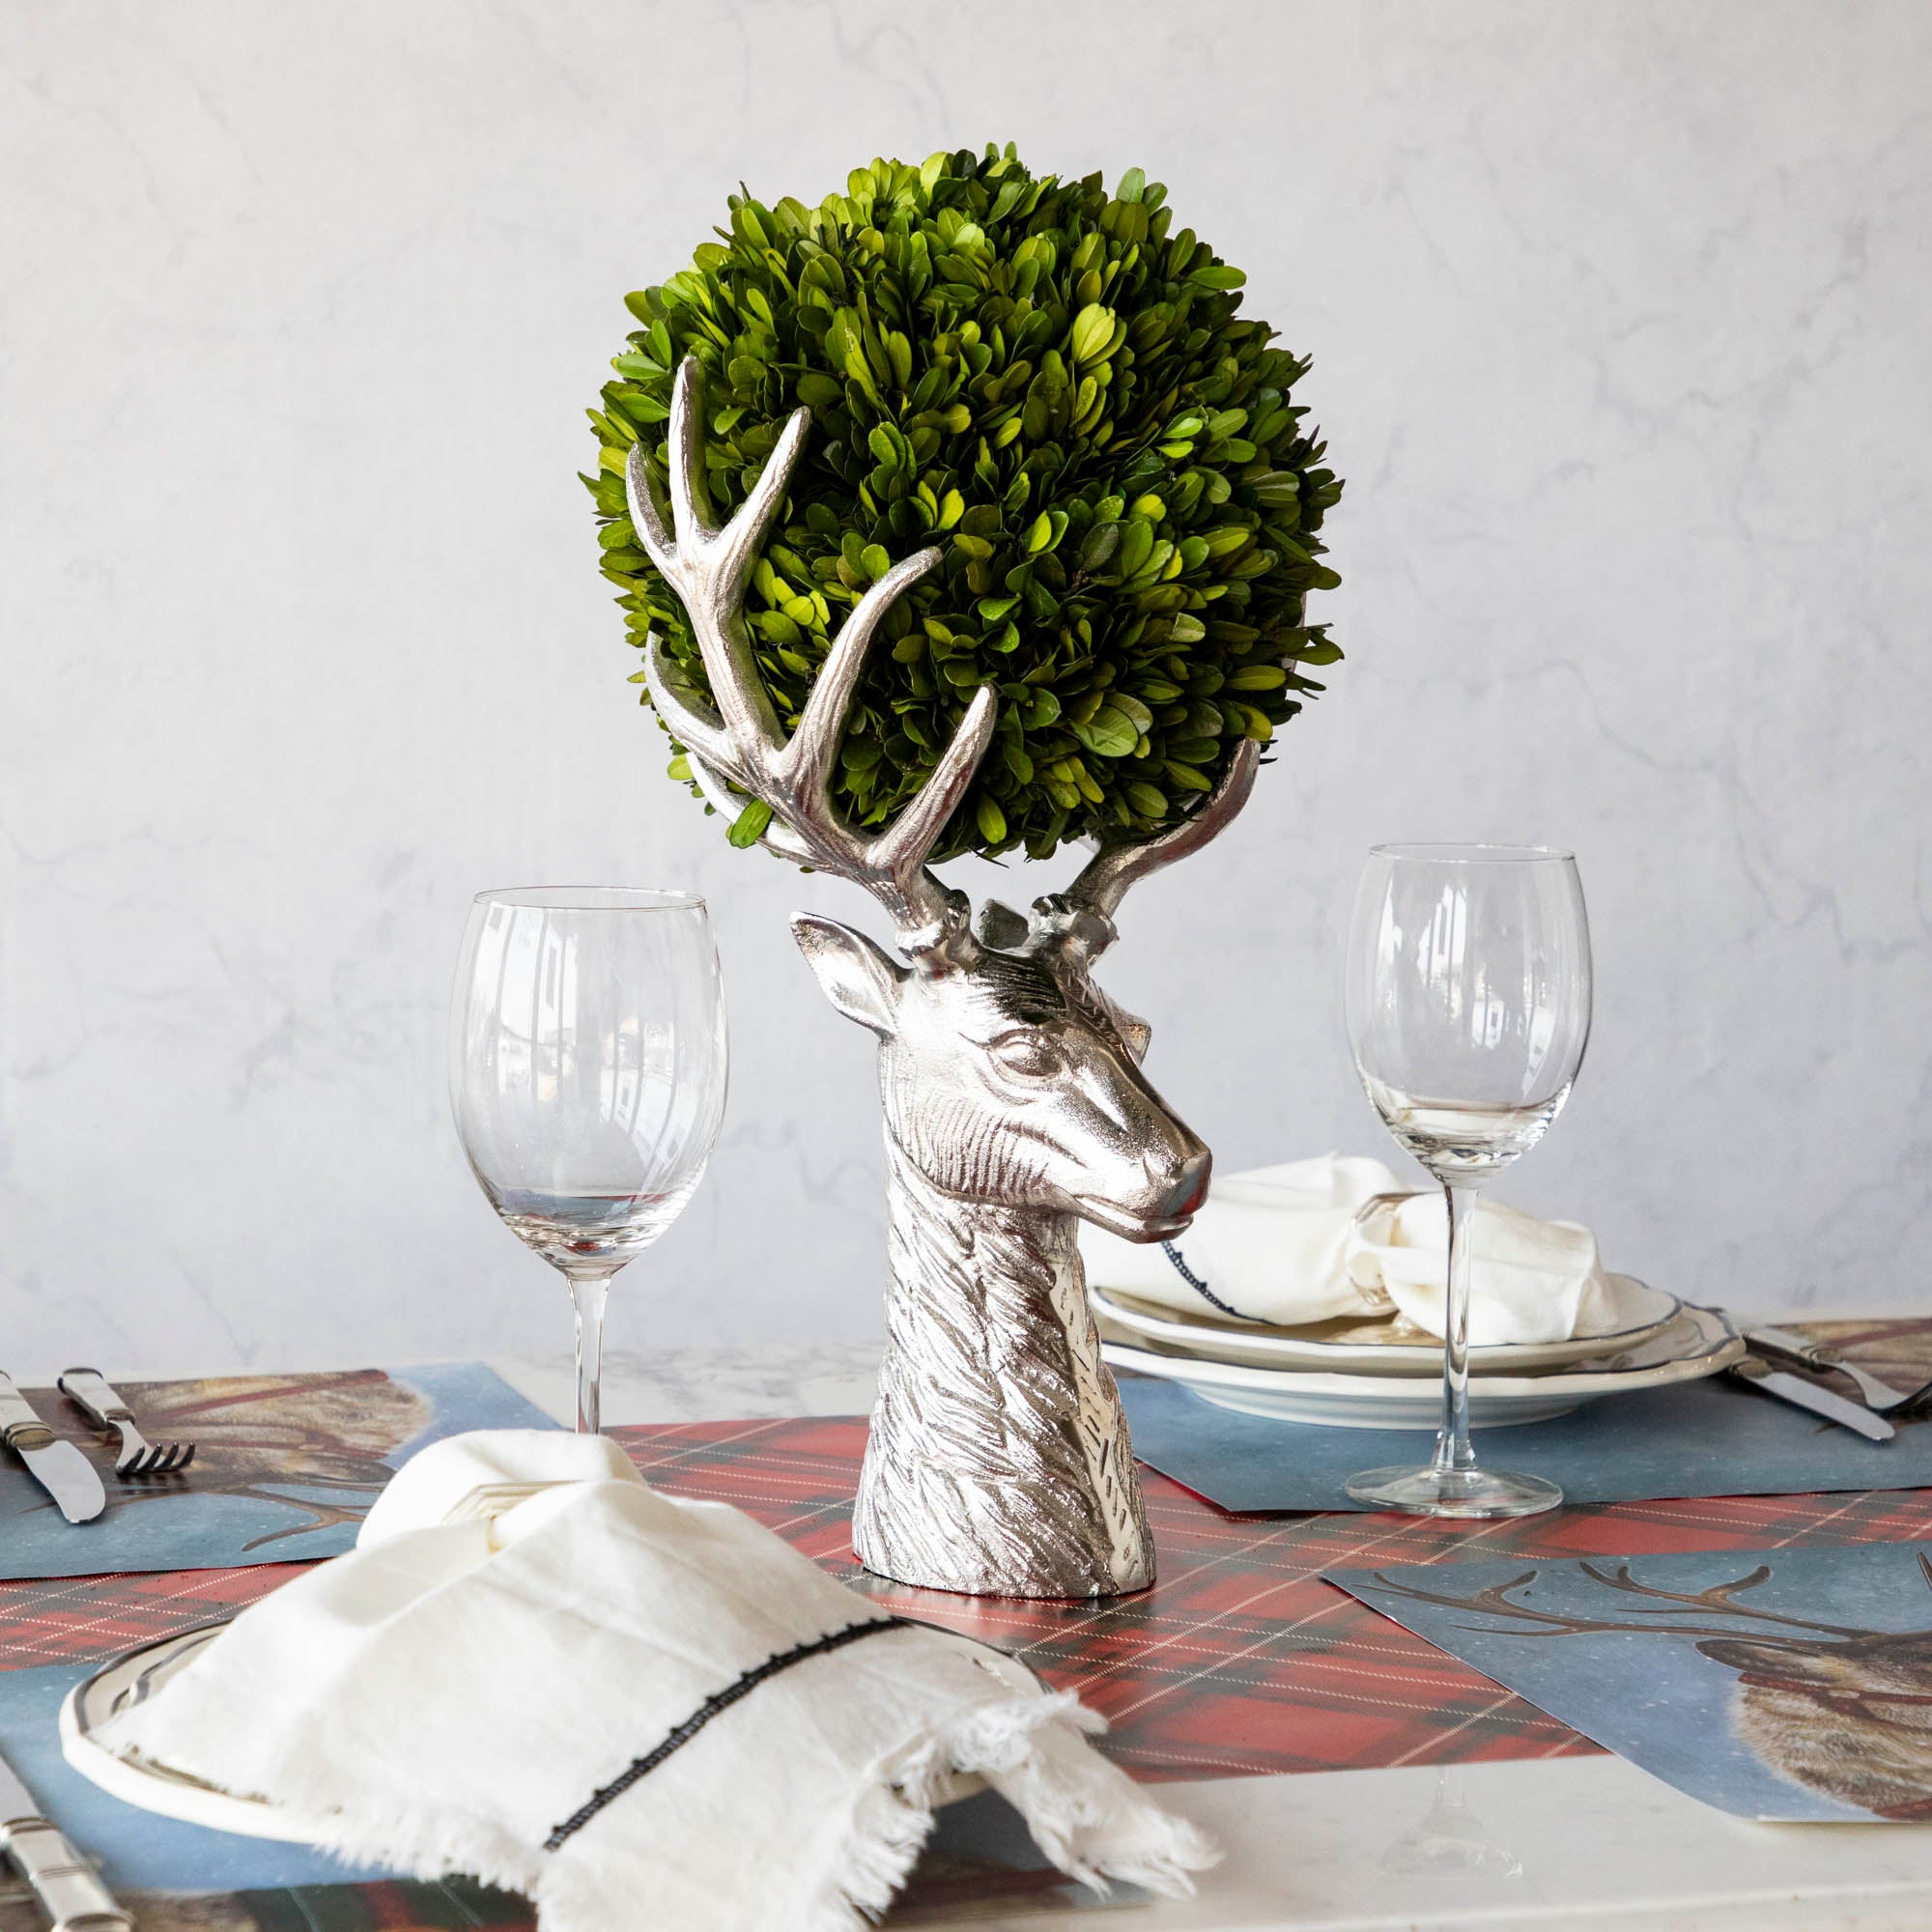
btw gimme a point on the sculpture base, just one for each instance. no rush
(987, 1584)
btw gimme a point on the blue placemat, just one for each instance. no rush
(1707, 1439)
(1775, 1684)
(138, 1851)
(285, 1467)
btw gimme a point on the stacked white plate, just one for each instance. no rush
(1387, 1374)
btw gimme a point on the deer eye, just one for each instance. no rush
(1033, 1056)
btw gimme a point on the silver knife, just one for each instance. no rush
(65, 1885)
(66, 1474)
(1818, 1356)
(1794, 1389)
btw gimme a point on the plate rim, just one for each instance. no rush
(155, 1787)
(1726, 1347)
(1488, 1360)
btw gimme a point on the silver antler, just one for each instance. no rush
(1107, 876)
(1080, 921)
(742, 743)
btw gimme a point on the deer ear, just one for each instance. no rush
(857, 976)
(1134, 1032)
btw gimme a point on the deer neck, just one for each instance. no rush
(1012, 1266)
(993, 1387)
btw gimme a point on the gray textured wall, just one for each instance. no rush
(1619, 323)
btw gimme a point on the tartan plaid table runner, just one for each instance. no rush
(1240, 1660)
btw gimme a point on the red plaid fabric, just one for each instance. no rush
(84, 1619)
(1240, 1659)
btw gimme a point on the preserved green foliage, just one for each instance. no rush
(1053, 386)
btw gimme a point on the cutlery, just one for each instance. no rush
(1880, 1397)
(63, 1471)
(88, 1390)
(73, 1897)
(1827, 1403)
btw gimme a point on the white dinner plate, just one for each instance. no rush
(1697, 1342)
(138, 1781)
(154, 1787)
(1354, 1346)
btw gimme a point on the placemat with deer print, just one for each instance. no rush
(1716, 1437)
(284, 1468)
(1778, 1684)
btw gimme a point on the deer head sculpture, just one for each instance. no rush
(1014, 1102)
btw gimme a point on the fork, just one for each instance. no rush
(88, 1390)
(1881, 1398)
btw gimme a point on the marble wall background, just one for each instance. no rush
(1619, 318)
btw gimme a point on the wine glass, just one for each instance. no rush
(587, 1074)
(1468, 1002)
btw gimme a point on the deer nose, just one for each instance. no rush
(1190, 1186)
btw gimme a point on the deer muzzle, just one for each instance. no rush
(1173, 1186)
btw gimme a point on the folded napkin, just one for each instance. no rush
(1318, 1239)
(536, 1671)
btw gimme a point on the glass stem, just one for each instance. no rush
(588, 1292)
(1453, 1453)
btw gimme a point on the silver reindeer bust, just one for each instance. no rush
(999, 1462)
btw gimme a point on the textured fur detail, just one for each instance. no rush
(998, 1461)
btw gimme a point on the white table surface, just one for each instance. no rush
(1577, 1843)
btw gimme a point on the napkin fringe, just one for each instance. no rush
(888, 1833)
(1087, 1817)
(1085, 1813)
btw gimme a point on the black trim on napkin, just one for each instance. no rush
(719, 1700)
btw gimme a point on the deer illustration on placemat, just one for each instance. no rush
(1841, 1710)
(314, 1445)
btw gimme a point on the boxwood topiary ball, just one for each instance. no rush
(1055, 388)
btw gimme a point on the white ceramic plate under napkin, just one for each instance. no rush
(1697, 1342)
(1384, 1348)
(125, 1774)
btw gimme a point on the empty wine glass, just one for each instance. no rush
(587, 1074)
(1468, 1002)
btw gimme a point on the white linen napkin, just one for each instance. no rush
(536, 1671)
(1311, 1242)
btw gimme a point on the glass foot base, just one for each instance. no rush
(1454, 1493)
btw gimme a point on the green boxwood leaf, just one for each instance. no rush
(998, 363)
(1109, 733)
(748, 827)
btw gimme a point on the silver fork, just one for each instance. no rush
(88, 1390)
(1881, 1398)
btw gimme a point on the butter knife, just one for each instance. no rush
(65, 1885)
(63, 1471)
(1801, 1394)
